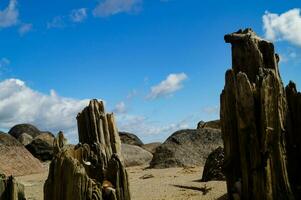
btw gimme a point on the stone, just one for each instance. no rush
(254, 120)
(93, 169)
(19, 129)
(130, 138)
(213, 169)
(151, 147)
(25, 139)
(15, 159)
(186, 148)
(210, 124)
(135, 155)
(42, 147)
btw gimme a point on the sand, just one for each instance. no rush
(150, 184)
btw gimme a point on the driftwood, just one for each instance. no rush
(257, 123)
(10, 189)
(94, 168)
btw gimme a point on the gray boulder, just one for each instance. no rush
(135, 155)
(19, 129)
(15, 159)
(210, 124)
(129, 138)
(213, 170)
(186, 148)
(151, 147)
(25, 139)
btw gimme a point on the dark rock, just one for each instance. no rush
(187, 148)
(19, 129)
(15, 159)
(151, 147)
(210, 124)
(129, 138)
(42, 147)
(213, 170)
(10, 189)
(135, 155)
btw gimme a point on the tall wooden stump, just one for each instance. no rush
(93, 169)
(254, 120)
(294, 137)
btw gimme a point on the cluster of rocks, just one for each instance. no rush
(39, 143)
(260, 122)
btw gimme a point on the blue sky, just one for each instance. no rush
(158, 64)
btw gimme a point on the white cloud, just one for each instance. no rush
(132, 94)
(211, 110)
(9, 16)
(286, 26)
(143, 127)
(171, 84)
(4, 62)
(111, 7)
(120, 108)
(21, 104)
(25, 28)
(56, 22)
(78, 15)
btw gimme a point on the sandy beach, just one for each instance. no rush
(150, 184)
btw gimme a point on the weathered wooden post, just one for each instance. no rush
(94, 168)
(254, 120)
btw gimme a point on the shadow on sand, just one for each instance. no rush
(204, 189)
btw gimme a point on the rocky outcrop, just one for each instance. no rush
(213, 169)
(42, 147)
(135, 155)
(210, 124)
(19, 129)
(151, 147)
(10, 189)
(15, 159)
(187, 148)
(93, 169)
(129, 138)
(254, 120)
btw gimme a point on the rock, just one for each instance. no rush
(25, 139)
(213, 170)
(93, 169)
(187, 148)
(151, 147)
(10, 189)
(210, 124)
(15, 159)
(254, 120)
(19, 129)
(135, 155)
(42, 147)
(129, 138)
